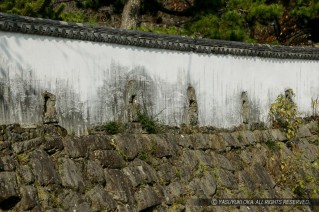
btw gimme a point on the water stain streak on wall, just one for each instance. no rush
(89, 80)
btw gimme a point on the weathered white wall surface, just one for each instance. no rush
(89, 80)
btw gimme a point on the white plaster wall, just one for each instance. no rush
(89, 81)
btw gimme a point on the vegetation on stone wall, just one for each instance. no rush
(296, 171)
(149, 123)
(113, 127)
(284, 114)
(49, 170)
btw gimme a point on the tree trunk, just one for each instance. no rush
(130, 14)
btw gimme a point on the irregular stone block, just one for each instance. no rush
(267, 136)
(8, 190)
(147, 197)
(313, 127)
(161, 208)
(204, 187)
(277, 135)
(261, 176)
(199, 204)
(227, 179)
(29, 198)
(119, 186)
(16, 128)
(259, 136)
(100, 200)
(7, 163)
(128, 145)
(170, 143)
(220, 161)
(26, 175)
(170, 136)
(248, 136)
(98, 142)
(43, 168)
(14, 137)
(204, 158)
(303, 132)
(308, 150)
(230, 140)
(313, 139)
(75, 147)
(201, 142)
(247, 181)
(146, 143)
(72, 201)
(286, 153)
(235, 160)
(189, 158)
(94, 172)
(166, 173)
(259, 156)
(183, 171)
(140, 173)
(70, 174)
(26, 145)
(246, 156)
(313, 152)
(162, 147)
(52, 144)
(108, 159)
(216, 142)
(44, 198)
(173, 191)
(26, 136)
(241, 138)
(185, 165)
(5, 145)
(51, 130)
(126, 208)
(185, 141)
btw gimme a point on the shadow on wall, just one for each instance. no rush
(128, 92)
(70, 109)
(19, 96)
(22, 99)
(123, 91)
(123, 95)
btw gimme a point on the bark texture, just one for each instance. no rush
(130, 15)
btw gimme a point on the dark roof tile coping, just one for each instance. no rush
(39, 26)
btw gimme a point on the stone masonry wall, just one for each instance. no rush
(44, 169)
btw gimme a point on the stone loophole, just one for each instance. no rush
(49, 110)
(245, 107)
(192, 113)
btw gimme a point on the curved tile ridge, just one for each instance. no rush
(38, 26)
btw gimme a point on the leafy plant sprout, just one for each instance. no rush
(284, 114)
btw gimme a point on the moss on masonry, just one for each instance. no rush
(114, 127)
(168, 170)
(149, 124)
